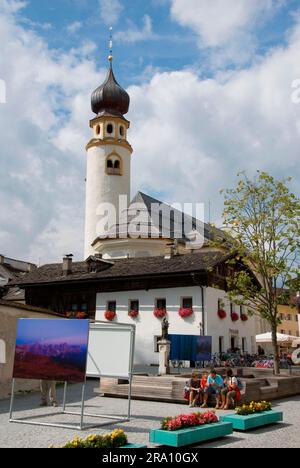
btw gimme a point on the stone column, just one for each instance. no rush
(164, 347)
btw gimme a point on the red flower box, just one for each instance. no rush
(81, 315)
(244, 318)
(222, 314)
(110, 315)
(185, 312)
(234, 317)
(160, 313)
(133, 313)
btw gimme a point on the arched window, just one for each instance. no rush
(98, 130)
(122, 131)
(110, 129)
(114, 165)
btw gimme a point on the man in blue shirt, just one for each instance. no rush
(214, 385)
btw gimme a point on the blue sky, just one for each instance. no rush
(211, 87)
(171, 46)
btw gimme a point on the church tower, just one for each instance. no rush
(108, 155)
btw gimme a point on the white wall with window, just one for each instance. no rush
(148, 327)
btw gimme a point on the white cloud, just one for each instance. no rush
(74, 27)
(134, 34)
(190, 136)
(43, 131)
(110, 11)
(226, 24)
(200, 133)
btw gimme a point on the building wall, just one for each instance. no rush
(8, 329)
(290, 320)
(103, 188)
(148, 327)
(226, 328)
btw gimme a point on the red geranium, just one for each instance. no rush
(244, 318)
(234, 317)
(189, 420)
(222, 314)
(160, 313)
(133, 313)
(81, 315)
(110, 315)
(185, 312)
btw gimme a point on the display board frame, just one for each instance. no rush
(82, 414)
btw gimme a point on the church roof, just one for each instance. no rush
(127, 268)
(110, 97)
(170, 223)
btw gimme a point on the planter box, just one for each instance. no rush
(133, 446)
(191, 436)
(245, 423)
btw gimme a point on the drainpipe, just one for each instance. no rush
(203, 312)
(203, 324)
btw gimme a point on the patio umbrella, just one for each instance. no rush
(296, 343)
(281, 339)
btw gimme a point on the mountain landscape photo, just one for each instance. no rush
(51, 350)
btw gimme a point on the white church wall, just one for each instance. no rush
(148, 326)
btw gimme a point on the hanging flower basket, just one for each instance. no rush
(160, 313)
(234, 317)
(244, 318)
(185, 312)
(133, 314)
(110, 315)
(222, 314)
(82, 315)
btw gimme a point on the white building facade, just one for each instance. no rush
(205, 320)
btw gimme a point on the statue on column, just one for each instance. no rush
(165, 329)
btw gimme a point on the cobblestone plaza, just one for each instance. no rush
(145, 416)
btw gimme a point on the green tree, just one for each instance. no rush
(263, 217)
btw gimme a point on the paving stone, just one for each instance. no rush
(145, 416)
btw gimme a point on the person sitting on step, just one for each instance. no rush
(195, 389)
(231, 393)
(214, 385)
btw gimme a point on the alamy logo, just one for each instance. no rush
(296, 93)
(2, 352)
(2, 92)
(154, 222)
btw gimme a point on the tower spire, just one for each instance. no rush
(110, 57)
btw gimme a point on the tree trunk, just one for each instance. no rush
(275, 350)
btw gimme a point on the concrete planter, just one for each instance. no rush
(245, 423)
(133, 446)
(192, 435)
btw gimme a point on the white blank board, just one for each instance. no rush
(110, 350)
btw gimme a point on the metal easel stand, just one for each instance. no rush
(82, 414)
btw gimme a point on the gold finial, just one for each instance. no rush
(110, 57)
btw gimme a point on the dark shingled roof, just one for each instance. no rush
(126, 268)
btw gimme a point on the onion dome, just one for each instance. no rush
(110, 97)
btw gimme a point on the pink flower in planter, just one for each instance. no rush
(133, 313)
(159, 313)
(244, 318)
(110, 315)
(234, 317)
(184, 312)
(222, 314)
